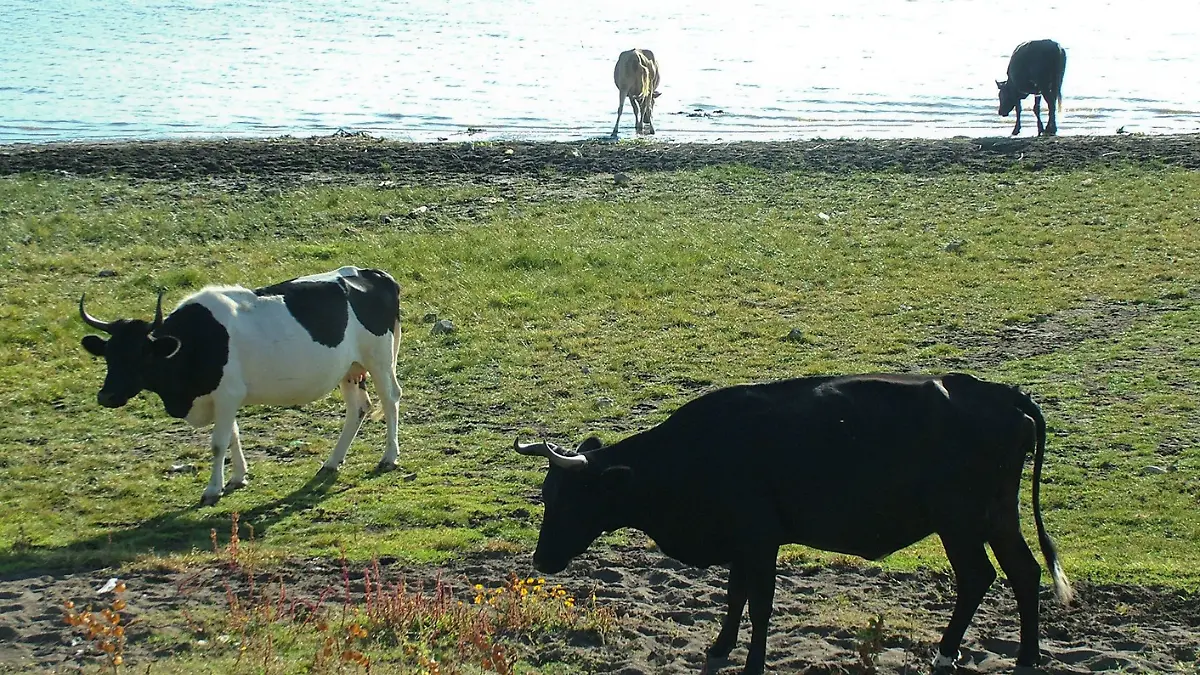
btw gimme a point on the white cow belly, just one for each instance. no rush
(292, 372)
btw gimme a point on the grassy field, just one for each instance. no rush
(586, 306)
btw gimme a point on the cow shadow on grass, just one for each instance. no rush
(178, 531)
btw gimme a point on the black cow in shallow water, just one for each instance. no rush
(286, 344)
(864, 465)
(1036, 68)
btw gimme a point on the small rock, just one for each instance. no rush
(1086, 182)
(409, 477)
(105, 274)
(586, 370)
(431, 317)
(182, 468)
(418, 211)
(443, 327)
(575, 153)
(621, 179)
(795, 335)
(955, 246)
(823, 216)
(108, 586)
(603, 402)
(509, 151)
(1153, 470)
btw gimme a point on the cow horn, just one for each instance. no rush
(158, 319)
(92, 321)
(546, 450)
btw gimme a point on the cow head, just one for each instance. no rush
(133, 352)
(1010, 97)
(583, 499)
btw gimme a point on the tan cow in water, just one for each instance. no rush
(636, 77)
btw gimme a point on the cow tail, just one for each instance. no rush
(1062, 585)
(644, 68)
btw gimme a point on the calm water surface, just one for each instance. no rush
(542, 69)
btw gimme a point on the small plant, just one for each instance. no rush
(870, 642)
(104, 630)
(437, 631)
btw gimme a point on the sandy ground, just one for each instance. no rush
(668, 613)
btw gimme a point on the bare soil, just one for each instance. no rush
(667, 614)
(356, 154)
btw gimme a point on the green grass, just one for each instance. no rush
(583, 306)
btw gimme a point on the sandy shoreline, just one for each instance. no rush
(266, 158)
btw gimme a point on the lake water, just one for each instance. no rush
(542, 69)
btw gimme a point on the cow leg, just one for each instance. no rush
(224, 426)
(973, 575)
(1052, 126)
(760, 592)
(388, 388)
(620, 107)
(357, 407)
(1024, 575)
(1017, 127)
(1037, 112)
(239, 479)
(736, 599)
(636, 104)
(647, 112)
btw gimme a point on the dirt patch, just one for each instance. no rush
(669, 612)
(359, 155)
(1093, 320)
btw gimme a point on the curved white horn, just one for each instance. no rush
(92, 321)
(546, 450)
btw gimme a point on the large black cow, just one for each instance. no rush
(1036, 68)
(862, 464)
(286, 344)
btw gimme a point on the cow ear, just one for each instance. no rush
(999, 84)
(617, 479)
(94, 344)
(590, 443)
(165, 347)
(657, 94)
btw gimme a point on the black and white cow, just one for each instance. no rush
(862, 464)
(287, 344)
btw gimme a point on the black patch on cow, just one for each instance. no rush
(318, 306)
(321, 306)
(375, 299)
(196, 369)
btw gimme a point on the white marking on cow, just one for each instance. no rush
(943, 661)
(339, 273)
(942, 388)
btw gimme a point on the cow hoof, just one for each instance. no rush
(209, 500)
(236, 485)
(718, 652)
(327, 471)
(385, 467)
